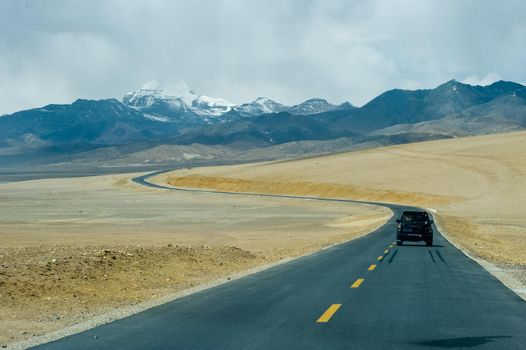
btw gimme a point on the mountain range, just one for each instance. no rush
(157, 115)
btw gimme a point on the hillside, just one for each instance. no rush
(153, 117)
(476, 184)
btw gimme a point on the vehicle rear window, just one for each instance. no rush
(414, 216)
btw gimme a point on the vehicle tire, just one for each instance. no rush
(429, 243)
(399, 242)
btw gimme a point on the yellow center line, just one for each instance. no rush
(380, 257)
(357, 283)
(328, 314)
(372, 267)
(391, 246)
(386, 251)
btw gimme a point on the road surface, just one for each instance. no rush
(363, 294)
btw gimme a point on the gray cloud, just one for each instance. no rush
(57, 51)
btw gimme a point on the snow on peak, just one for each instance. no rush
(260, 105)
(157, 97)
(214, 101)
(158, 90)
(179, 95)
(312, 106)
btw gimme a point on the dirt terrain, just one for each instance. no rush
(476, 184)
(74, 248)
(71, 249)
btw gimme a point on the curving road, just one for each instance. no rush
(363, 294)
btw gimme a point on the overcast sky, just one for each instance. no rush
(58, 51)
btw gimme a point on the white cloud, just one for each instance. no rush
(53, 51)
(488, 79)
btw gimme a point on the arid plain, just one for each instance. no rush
(476, 185)
(75, 248)
(72, 249)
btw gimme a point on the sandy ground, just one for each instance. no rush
(476, 184)
(71, 249)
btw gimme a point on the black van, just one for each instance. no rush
(414, 226)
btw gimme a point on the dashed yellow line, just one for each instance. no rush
(357, 283)
(372, 267)
(386, 251)
(380, 257)
(329, 313)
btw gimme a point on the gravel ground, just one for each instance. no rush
(77, 252)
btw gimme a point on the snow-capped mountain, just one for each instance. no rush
(177, 101)
(263, 105)
(181, 104)
(155, 115)
(312, 106)
(260, 105)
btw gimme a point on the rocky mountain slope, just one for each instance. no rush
(155, 115)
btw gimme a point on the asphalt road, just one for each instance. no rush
(364, 294)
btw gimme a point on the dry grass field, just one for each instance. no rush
(476, 184)
(74, 248)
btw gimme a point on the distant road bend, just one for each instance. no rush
(364, 294)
